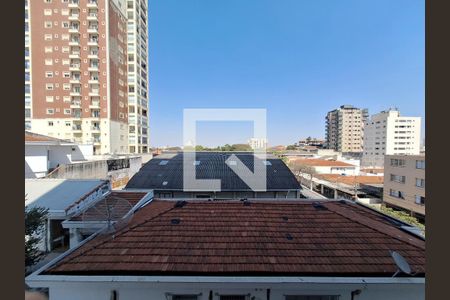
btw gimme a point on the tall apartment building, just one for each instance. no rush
(79, 71)
(27, 69)
(138, 104)
(404, 183)
(344, 128)
(387, 133)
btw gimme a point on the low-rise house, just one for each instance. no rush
(58, 196)
(242, 250)
(44, 153)
(323, 166)
(164, 175)
(404, 184)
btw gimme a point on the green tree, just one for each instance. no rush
(35, 219)
(291, 147)
(404, 216)
(200, 148)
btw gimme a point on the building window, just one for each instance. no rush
(420, 182)
(49, 98)
(48, 37)
(49, 86)
(396, 194)
(420, 200)
(397, 162)
(48, 62)
(50, 123)
(49, 74)
(67, 112)
(47, 12)
(48, 24)
(398, 178)
(420, 164)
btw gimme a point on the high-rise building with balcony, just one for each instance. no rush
(138, 101)
(344, 129)
(78, 54)
(27, 69)
(388, 133)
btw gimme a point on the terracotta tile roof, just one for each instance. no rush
(95, 212)
(320, 162)
(34, 137)
(351, 180)
(262, 238)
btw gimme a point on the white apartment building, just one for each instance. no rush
(27, 69)
(387, 133)
(138, 102)
(257, 143)
(344, 128)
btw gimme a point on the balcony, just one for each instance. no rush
(93, 80)
(93, 67)
(74, 67)
(92, 16)
(94, 93)
(95, 104)
(74, 29)
(92, 4)
(75, 104)
(93, 54)
(74, 55)
(75, 92)
(75, 80)
(74, 42)
(95, 128)
(74, 17)
(92, 29)
(76, 128)
(73, 4)
(93, 42)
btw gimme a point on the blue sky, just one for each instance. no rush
(298, 59)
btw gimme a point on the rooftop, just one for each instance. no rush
(31, 137)
(123, 202)
(57, 194)
(321, 162)
(265, 237)
(165, 172)
(351, 180)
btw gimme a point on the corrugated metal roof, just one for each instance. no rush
(57, 194)
(212, 166)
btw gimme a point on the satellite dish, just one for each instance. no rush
(113, 210)
(401, 263)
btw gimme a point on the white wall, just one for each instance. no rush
(347, 170)
(35, 161)
(154, 291)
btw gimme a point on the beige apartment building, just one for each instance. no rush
(78, 57)
(404, 183)
(344, 129)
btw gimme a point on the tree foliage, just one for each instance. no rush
(403, 216)
(34, 222)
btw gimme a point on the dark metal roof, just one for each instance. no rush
(169, 176)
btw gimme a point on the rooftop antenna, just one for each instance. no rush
(401, 263)
(115, 211)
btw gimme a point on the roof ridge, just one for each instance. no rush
(379, 226)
